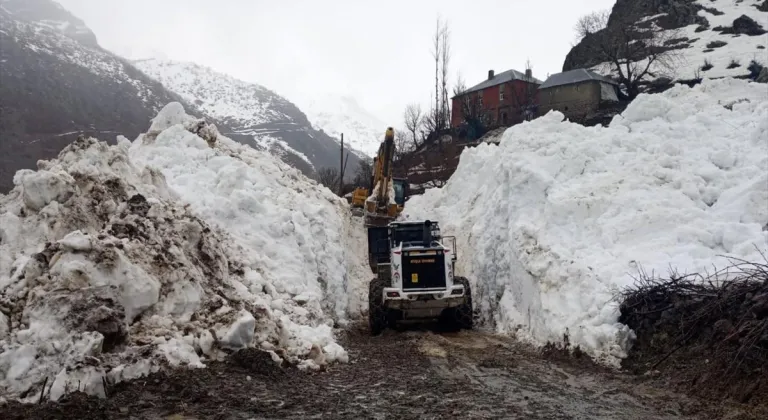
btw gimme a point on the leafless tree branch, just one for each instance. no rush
(329, 177)
(591, 23)
(414, 119)
(631, 51)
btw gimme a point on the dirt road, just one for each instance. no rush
(402, 375)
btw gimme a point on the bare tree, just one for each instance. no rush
(430, 124)
(363, 174)
(414, 119)
(437, 164)
(329, 177)
(460, 85)
(591, 23)
(632, 51)
(524, 99)
(441, 53)
(445, 58)
(436, 57)
(472, 113)
(403, 144)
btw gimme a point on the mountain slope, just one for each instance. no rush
(46, 13)
(727, 34)
(342, 114)
(58, 83)
(250, 110)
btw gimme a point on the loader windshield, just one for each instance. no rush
(408, 235)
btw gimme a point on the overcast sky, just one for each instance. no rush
(376, 51)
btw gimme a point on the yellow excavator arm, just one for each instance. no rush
(387, 194)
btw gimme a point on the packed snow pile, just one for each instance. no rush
(554, 220)
(172, 250)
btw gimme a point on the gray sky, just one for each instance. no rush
(375, 51)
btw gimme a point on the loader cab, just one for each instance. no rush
(405, 234)
(413, 234)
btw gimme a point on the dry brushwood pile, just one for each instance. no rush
(707, 333)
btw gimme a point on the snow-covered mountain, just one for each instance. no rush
(51, 15)
(336, 114)
(58, 83)
(249, 110)
(717, 37)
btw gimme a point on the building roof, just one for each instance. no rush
(500, 78)
(574, 76)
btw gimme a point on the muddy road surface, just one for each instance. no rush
(412, 374)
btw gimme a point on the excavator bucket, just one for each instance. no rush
(358, 197)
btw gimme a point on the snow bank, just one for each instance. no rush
(171, 250)
(556, 217)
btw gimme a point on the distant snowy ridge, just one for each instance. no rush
(249, 109)
(242, 105)
(117, 260)
(229, 98)
(48, 40)
(556, 218)
(338, 115)
(56, 84)
(50, 15)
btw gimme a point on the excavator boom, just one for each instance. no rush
(386, 153)
(388, 195)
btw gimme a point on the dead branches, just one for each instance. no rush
(722, 317)
(414, 119)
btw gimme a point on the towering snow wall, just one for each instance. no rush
(559, 216)
(172, 249)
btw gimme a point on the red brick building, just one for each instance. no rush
(503, 99)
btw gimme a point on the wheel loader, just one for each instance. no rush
(415, 277)
(414, 267)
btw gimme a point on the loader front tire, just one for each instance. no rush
(377, 313)
(463, 314)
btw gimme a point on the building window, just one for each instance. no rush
(501, 93)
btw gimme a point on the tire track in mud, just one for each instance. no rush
(411, 374)
(521, 384)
